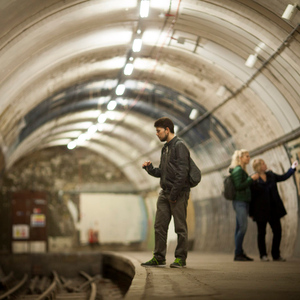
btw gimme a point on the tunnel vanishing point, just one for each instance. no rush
(81, 85)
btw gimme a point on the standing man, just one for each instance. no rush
(173, 198)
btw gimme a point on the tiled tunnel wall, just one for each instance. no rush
(211, 217)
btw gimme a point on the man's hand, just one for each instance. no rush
(146, 164)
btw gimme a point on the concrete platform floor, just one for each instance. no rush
(215, 277)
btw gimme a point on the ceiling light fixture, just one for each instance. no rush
(100, 127)
(290, 12)
(137, 45)
(144, 8)
(250, 62)
(110, 114)
(72, 145)
(102, 118)
(92, 129)
(128, 69)
(120, 89)
(252, 59)
(112, 105)
(83, 137)
(193, 114)
(258, 49)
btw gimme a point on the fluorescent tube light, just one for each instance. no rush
(128, 69)
(120, 89)
(251, 60)
(137, 45)
(289, 12)
(144, 8)
(112, 105)
(72, 145)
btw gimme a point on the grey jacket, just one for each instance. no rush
(173, 168)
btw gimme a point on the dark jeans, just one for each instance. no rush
(165, 210)
(261, 237)
(241, 209)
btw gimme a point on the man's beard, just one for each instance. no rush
(164, 138)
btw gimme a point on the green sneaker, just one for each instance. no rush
(154, 263)
(178, 263)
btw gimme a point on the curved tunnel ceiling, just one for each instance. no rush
(62, 61)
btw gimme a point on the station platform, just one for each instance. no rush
(214, 277)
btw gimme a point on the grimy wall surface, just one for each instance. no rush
(78, 100)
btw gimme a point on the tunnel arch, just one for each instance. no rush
(190, 49)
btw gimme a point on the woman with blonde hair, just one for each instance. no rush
(267, 207)
(242, 182)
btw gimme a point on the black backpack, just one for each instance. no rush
(194, 173)
(228, 188)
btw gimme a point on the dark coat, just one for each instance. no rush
(173, 168)
(266, 203)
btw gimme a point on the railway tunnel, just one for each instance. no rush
(82, 83)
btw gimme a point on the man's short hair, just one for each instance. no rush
(164, 123)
